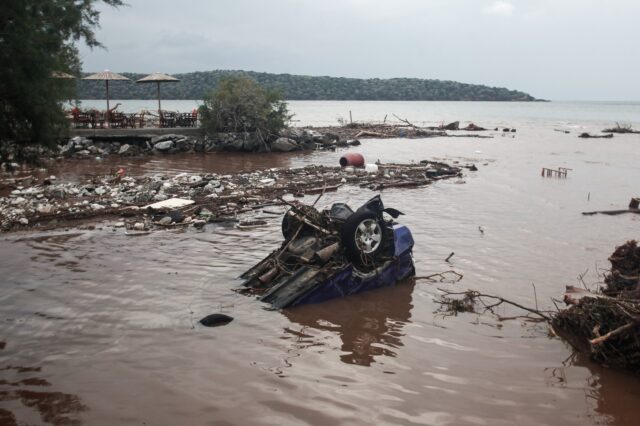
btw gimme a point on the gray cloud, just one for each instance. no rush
(569, 49)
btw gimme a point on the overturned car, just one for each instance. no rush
(333, 253)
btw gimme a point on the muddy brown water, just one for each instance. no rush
(101, 328)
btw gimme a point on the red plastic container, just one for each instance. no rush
(352, 159)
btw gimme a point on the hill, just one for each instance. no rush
(194, 85)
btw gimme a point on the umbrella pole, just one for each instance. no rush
(107, 116)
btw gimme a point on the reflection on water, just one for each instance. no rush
(603, 392)
(20, 385)
(369, 324)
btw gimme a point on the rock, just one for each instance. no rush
(44, 208)
(293, 133)
(23, 221)
(162, 138)
(216, 320)
(83, 153)
(165, 220)
(101, 190)
(164, 145)
(268, 181)
(199, 223)
(138, 226)
(284, 145)
(125, 149)
(231, 142)
(160, 197)
(19, 200)
(205, 212)
(67, 149)
(183, 144)
(96, 206)
(354, 142)
(253, 143)
(58, 193)
(119, 225)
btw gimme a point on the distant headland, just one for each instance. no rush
(195, 85)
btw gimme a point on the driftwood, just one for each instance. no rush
(606, 324)
(624, 128)
(633, 208)
(612, 212)
(471, 298)
(586, 135)
(441, 277)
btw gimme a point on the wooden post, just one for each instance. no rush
(159, 107)
(350, 117)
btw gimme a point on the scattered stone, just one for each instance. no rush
(284, 145)
(125, 149)
(164, 145)
(165, 220)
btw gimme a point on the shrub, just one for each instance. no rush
(239, 104)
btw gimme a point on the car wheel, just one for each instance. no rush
(363, 237)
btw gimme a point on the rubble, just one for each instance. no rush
(211, 197)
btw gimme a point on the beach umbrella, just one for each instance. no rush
(158, 78)
(106, 75)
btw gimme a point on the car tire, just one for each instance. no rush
(289, 226)
(364, 237)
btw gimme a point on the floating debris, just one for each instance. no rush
(606, 324)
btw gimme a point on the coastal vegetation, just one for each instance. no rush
(195, 85)
(37, 44)
(239, 104)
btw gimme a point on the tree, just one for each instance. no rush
(239, 104)
(38, 38)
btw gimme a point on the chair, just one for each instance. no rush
(117, 120)
(167, 119)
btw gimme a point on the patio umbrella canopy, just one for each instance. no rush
(158, 78)
(106, 75)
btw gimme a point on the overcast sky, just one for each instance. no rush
(553, 49)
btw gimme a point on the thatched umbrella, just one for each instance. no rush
(158, 78)
(106, 75)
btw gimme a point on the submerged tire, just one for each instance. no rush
(364, 237)
(289, 226)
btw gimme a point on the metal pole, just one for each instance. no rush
(107, 118)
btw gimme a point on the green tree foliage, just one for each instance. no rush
(37, 38)
(194, 85)
(239, 104)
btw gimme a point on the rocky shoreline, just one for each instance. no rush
(100, 144)
(202, 198)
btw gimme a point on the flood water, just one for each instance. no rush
(101, 328)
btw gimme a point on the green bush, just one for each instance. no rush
(239, 104)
